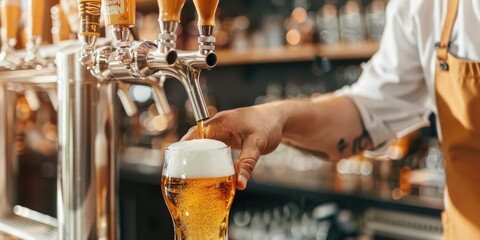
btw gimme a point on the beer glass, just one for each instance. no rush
(198, 186)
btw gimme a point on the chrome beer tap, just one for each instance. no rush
(189, 64)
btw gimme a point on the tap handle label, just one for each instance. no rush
(35, 16)
(10, 12)
(120, 12)
(89, 12)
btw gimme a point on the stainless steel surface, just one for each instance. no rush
(167, 39)
(206, 30)
(194, 91)
(122, 44)
(87, 152)
(86, 57)
(8, 165)
(169, 27)
(27, 229)
(160, 59)
(190, 79)
(197, 60)
(121, 35)
(127, 101)
(160, 98)
(148, 60)
(33, 58)
(32, 76)
(34, 216)
(158, 94)
(7, 57)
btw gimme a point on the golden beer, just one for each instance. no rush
(200, 129)
(199, 207)
(198, 186)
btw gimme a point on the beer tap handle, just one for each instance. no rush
(170, 10)
(35, 19)
(10, 11)
(169, 17)
(89, 13)
(70, 8)
(206, 10)
(60, 26)
(120, 15)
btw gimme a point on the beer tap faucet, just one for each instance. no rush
(10, 15)
(190, 63)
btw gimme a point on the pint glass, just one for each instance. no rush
(198, 186)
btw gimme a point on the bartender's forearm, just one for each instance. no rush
(328, 125)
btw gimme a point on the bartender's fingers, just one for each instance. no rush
(251, 151)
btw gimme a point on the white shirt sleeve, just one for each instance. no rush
(391, 94)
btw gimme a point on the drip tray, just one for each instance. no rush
(17, 227)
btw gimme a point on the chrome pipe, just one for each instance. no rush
(8, 165)
(87, 177)
(127, 101)
(158, 94)
(160, 99)
(197, 60)
(190, 79)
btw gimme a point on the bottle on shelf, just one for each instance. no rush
(375, 19)
(352, 24)
(327, 23)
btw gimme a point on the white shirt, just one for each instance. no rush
(395, 93)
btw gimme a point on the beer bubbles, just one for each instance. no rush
(198, 186)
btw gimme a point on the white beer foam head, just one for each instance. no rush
(200, 158)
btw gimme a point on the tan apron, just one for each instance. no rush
(457, 88)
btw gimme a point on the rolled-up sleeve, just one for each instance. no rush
(391, 94)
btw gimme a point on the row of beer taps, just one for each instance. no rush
(139, 62)
(147, 61)
(84, 80)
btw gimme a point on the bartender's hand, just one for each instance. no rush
(255, 130)
(327, 126)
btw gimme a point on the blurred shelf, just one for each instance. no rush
(305, 52)
(266, 55)
(348, 50)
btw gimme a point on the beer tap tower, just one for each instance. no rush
(89, 81)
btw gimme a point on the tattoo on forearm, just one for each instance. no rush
(342, 145)
(360, 143)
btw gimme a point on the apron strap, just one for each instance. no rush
(443, 45)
